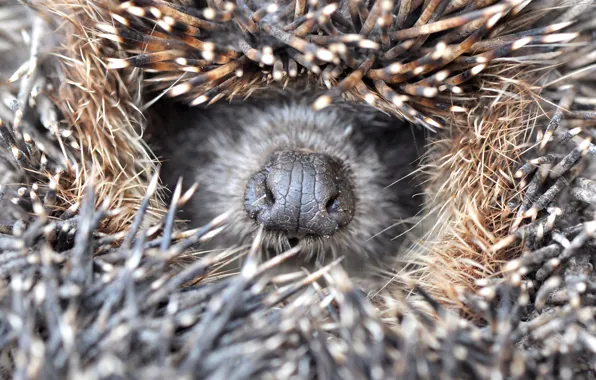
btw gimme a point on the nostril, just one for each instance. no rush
(332, 206)
(337, 212)
(258, 197)
(269, 197)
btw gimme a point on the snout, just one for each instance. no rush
(301, 193)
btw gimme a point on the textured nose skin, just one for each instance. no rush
(301, 193)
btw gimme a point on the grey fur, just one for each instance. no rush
(223, 146)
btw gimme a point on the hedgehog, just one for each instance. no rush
(415, 62)
(501, 284)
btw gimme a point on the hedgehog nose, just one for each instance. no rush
(301, 193)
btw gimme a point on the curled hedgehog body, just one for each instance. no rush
(97, 281)
(414, 60)
(326, 180)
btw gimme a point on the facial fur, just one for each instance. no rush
(223, 146)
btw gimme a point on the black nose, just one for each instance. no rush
(301, 193)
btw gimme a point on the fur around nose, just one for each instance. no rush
(301, 193)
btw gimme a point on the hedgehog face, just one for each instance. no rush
(321, 179)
